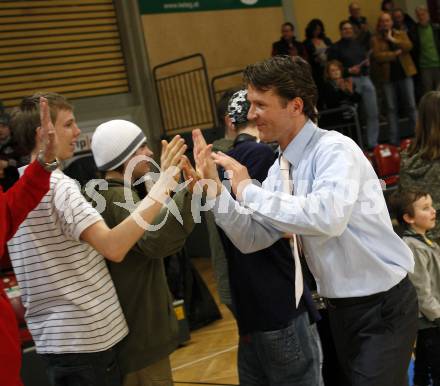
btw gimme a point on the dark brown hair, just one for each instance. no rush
(427, 140)
(25, 119)
(289, 77)
(402, 202)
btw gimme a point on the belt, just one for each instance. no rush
(333, 303)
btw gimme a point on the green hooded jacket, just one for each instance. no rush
(421, 174)
(141, 283)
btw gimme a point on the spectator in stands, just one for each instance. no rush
(338, 91)
(360, 24)
(402, 21)
(420, 165)
(395, 68)
(72, 310)
(416, 214)
(355, 59)
(288, 45)
(268, 320)
(9, 157)
(426, 39)
(140, 281)
(14, 208)
(316, 45)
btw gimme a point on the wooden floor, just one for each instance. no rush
(210, 357)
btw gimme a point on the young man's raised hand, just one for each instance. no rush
(47, 132)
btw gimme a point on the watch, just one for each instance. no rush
(48, 166)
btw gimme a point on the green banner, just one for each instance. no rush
(171, 6)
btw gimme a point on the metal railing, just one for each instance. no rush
(185, 98)
(344, 119)
(225, 82)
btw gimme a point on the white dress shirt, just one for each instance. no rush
(338, 208)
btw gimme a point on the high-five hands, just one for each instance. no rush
(205, 166)
(206, 162)
(172, 162)
(237, 173)
(172, 155)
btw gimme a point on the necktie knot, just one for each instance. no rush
(284, 163)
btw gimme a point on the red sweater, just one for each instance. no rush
(15, 205)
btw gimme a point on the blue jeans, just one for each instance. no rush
(281, 358)
(405, 90)
(365, 88)
(86, 369)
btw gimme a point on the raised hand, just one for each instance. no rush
(172, 152)
(47, 132)
(189, 174)
(205, 166)
(238, 174)
(172, 162)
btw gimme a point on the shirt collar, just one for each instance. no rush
(295, 149)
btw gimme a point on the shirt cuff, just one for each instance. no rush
(214, 203)
(222, 206)
(250, 194)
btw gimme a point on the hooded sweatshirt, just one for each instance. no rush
(421, 174)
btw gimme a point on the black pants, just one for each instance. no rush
(374, 335)
(91, 369)
(427, 357)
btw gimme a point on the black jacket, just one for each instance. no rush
(349, 52)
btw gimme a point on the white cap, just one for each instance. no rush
(113, 142)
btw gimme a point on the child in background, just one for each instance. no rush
(415, 212)
(338, 91)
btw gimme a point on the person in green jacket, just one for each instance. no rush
(140, 279)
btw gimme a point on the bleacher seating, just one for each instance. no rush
(387, 162)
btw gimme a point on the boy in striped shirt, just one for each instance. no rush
(59, 252)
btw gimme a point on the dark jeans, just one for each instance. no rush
(427, 357)
(374, 335)
(280, 358)
(405, 90)
(88, 369)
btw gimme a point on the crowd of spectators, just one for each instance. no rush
(395, 60)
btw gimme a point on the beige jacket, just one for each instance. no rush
(383, 55)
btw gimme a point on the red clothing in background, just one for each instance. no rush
(15, 204)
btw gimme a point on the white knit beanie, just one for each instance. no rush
(113, 142)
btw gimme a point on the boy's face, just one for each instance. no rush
(424, 215)
(67, 133)
(5, 132)
(143, 167)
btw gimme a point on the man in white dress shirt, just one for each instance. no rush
(339, 212)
